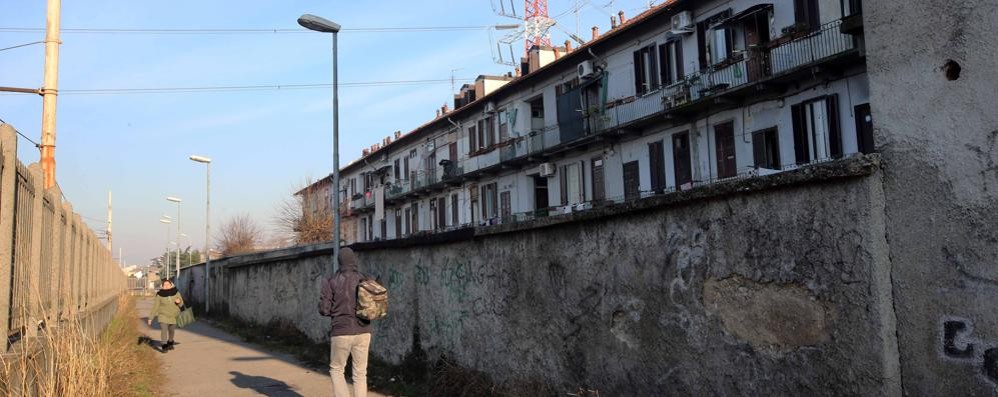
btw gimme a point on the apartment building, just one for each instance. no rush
(685, 94)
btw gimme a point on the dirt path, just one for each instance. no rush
(210, 362)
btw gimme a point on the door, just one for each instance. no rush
(724, 149)
(415, 218)
(632, 181)
(454, 211)
(756, 34)
(599, 191)
(681, 159)
(864, 128)
(441, 213)
(452, 152)
(656, 162)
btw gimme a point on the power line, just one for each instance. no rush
(22, 135)
(199, 31)
(22, 45)
(241, 88)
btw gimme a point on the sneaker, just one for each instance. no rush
(169, 345)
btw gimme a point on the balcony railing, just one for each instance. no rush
(746, 67)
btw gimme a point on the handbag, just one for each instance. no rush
(186, 317)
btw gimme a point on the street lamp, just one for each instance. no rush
(319, 24)
(207, 224)
(177, 200)
(166, 260)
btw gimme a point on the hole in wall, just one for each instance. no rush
(952, 70)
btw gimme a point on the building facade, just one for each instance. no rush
(685, 94)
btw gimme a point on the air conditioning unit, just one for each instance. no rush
(586, 69)
(548, 169)
(682, 22)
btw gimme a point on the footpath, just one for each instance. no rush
(211, 362)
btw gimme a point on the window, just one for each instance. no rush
(412, 154)
(681, 160)
(645, 67)
(398, 169)
(852, 7)
(505, 206)
(816, 130)
(353, 187)
(405, 168)
(489, 201)
(454, 211)
(806, 14)
(572, 191)
(442, 213)
(671, 62)
(766, 149)
(713, 41)
(408, 225)
(565, 87)
(656, 160)
(632, 181)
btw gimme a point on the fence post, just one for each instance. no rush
(77, 265)
(65, 221)
(34, 291)
(8, 168)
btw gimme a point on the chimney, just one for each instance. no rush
(557, 53)
(398, 134)
(622, 19)
(365, 152)
(568, 46)
(613, 22)
(445, 109)
(540, 56)
(438, 113)
(595, 32)
(518, 72)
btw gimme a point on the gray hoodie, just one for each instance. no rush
(339, 298)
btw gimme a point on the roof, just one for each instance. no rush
(516, 83)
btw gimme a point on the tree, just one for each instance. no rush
(305, 217)
(238, 235)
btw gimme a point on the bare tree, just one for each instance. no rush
(305, 217)
(238, 235)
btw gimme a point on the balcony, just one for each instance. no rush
(748, 73)
(362, 202)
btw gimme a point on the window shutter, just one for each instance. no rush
(702, 44)
(759, 149)
(653, 61)
(800, 15)
(664, 65)
(678, 62)
(472, 144)
(638, 74)
(563, 177)
(800, 134)
(834, 132)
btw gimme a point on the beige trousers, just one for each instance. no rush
(340, 348)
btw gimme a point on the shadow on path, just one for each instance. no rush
(263, 385)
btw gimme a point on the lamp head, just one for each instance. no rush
(318, 24)
(200, 159)
(173, 199)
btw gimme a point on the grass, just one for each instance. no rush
(69, 361)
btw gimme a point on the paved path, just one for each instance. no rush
(210, 362)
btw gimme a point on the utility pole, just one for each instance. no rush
(50, 91)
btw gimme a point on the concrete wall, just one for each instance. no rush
(776, 285)
(939, 139)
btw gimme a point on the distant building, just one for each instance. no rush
(683, 95)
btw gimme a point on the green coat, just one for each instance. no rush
(165, 309)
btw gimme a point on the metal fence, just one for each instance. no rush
(53, 268)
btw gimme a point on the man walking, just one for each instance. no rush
(350, 335)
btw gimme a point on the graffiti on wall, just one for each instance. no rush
(958, 343)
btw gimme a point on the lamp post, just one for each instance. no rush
(177, 200)
(166, 260)
(207, 225)
(322, 25)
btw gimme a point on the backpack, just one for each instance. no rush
(372, 300)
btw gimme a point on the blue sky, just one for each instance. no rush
(263, 143)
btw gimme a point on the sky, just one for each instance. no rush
(263, 144)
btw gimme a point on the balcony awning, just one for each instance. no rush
(745, 14)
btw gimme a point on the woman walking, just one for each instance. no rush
(166, 307)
